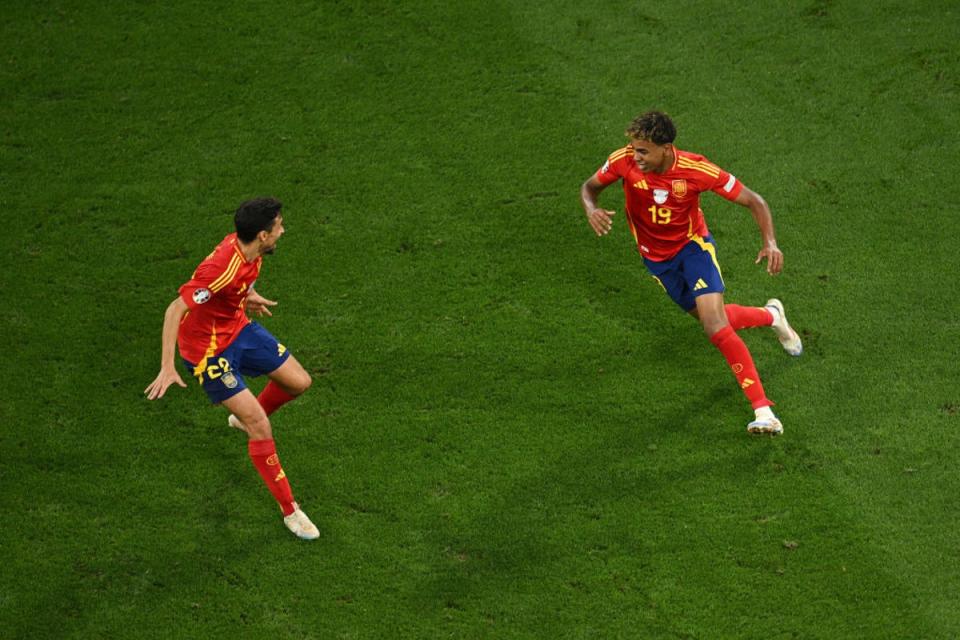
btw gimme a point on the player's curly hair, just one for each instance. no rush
(655, 126)
(255, 216)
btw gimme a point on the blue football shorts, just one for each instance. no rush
(252, 353)
(693, 272)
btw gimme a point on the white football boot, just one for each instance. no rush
(765, 423)
(234, 422)
(300, 524)
(785, 333)
(771, 426)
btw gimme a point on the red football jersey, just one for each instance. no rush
(216, 295)
(663, 209)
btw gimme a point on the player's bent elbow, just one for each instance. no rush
(591, 188)
(177, 307)
(753, 200)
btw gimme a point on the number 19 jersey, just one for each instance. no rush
(663, 209)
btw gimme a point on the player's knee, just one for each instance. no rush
(303, 383)
(713, 324)
(259, 428)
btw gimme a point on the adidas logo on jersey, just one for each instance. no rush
(700, 285)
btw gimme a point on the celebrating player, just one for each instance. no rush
(662, 185)
(220, 345)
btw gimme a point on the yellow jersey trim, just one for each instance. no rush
(211, 351)
(227, 275)
(709, 248)
(619, 153)
(711, 170)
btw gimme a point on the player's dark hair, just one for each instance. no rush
(655, 126)
(255, 216)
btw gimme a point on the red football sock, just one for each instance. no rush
(747, 317)
(739, 359)
(273, 397)
(264, 456)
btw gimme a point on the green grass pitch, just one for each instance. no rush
(512, 433)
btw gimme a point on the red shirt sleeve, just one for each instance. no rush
(616, 166)
(215, 272)
(726, 185)
(200, 290)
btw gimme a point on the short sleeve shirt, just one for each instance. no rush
(663, 209)
(216, 296)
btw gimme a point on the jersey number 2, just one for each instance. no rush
(214, 371)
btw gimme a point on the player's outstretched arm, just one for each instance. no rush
(761, 214)
(259, 305)
(600, 219)
(168, 369)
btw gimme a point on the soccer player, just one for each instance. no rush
(220, 345)
(662, 185)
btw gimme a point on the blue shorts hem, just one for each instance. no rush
(691, 273)
(254, 352)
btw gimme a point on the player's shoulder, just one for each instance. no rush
(619, 161)
(226, 249)
(695, 165)
(690, 155)
(226, 252)
(621, 154)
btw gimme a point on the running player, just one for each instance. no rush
(662, 185)
(220, 345)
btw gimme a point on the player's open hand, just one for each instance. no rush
(774, 259)
(259, 305)
(601, 220)
(159, 386)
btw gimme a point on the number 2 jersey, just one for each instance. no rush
(216, 296)
(663, 209)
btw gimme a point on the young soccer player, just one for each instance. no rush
(220, 345)
(662, 185)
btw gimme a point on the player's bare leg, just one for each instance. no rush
(710, 312)
(287, 381)
(291, 377)
(249, 415)
(769, 315)
(263, 454)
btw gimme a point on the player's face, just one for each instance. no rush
(270, 242)
(651, 157)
